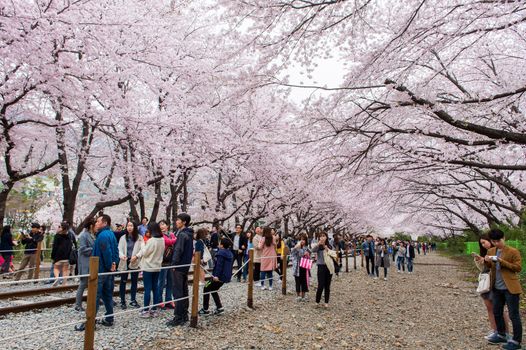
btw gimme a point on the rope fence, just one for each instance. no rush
(193, 295)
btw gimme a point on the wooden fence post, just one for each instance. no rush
(195, 289)
(250, 292)
(91, 307)
(284, 265)
(37, 263)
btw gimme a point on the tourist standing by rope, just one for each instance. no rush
(267, 245)
(6, 246)
(60, 253)
(86, 242)
(130, 244)
(30, 241)
(183, 253)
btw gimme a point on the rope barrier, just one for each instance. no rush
(37, 331)
(87, 275)
(22, 250)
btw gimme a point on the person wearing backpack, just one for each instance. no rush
(165, 278)
(222, 274)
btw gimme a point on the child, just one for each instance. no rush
(222, 274)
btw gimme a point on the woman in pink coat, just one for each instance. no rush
(268, 257)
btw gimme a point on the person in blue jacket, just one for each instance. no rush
(222, 274)
(106, 248)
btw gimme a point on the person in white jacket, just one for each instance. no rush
(151, 255)
(130, 244)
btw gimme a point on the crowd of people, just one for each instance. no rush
(163, 259)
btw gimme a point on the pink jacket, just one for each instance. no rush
(169, 241)
(268, 256)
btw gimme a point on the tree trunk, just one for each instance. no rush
(157, 203)
(3, 200)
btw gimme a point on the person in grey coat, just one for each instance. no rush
(86, 242)
(382, 259)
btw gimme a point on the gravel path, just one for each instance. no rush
(434, 308)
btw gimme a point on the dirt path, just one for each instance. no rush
(434, 308)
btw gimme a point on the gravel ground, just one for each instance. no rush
(434, 308)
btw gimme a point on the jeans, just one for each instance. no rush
(165, 286)
(264, 275)
(180, 290)
(151, 286)
(501, 298)
(324, 283)
(212, 287)
(83, 284)
(369, 259)
(409, 264)
(400, 263)
(105, 292)
(7, 262)
(122, 286)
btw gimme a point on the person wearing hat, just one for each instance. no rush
(182, 257)
(30, 240)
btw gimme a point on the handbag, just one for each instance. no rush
(306, 263)
(168, 254)
(74, 254)
(206, 255)
(484, 283)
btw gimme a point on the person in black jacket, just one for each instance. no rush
(182, 255)
(409, 256)
(222, 274)
(62, 246)
(6, 246)
(239, 245)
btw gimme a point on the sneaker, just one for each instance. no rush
(80, 327)
(490, 334)
(105, 322)
(385, 278)
(123, 306)
(203, 312)
(270, 288)
(326, 305)
(135, 304)
(304, 299)
(511, 345)
(154, 313)
(175, 322)
(497, 339)
(299, 298)
(144, 314)
(375, 278)
(219, 311)
(79, 308)
(169, 305)
(263, 288)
